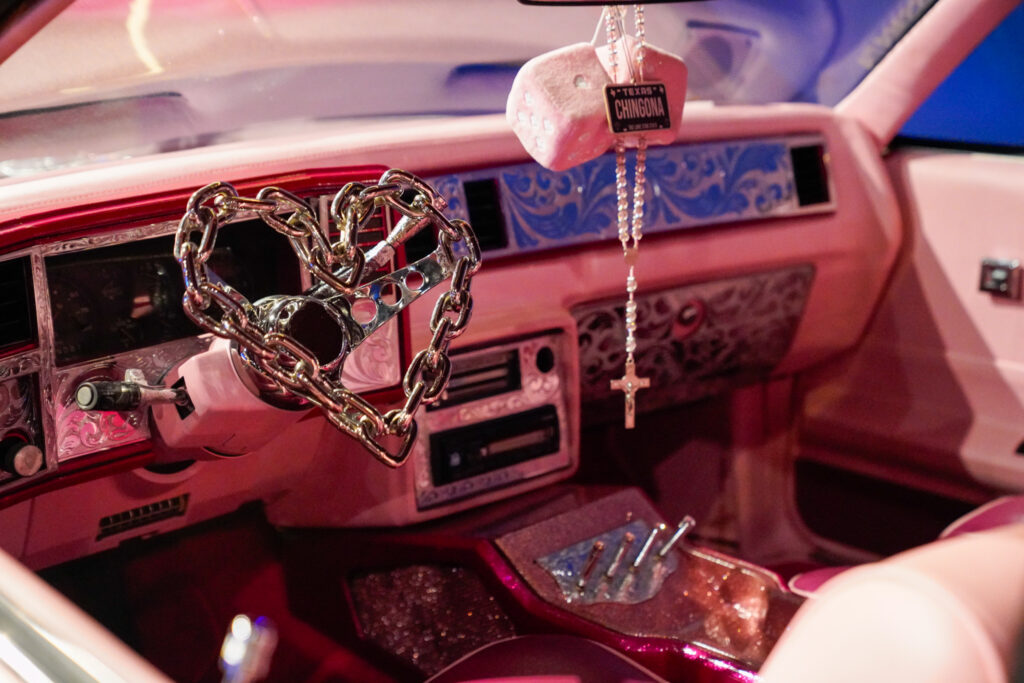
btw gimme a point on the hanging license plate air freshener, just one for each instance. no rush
(570, 105)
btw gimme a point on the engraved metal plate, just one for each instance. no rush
(689, 186)
(71, 433)
(692, 341)
(81, 432)
(568, 565)
(537, 388)
(721, 608)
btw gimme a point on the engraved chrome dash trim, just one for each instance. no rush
(44, 332)
(108, 239)
(21, 364)
(84, 432)
(695, 340)
(68, 432)
(18, 407)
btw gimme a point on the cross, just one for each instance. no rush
(629, 384)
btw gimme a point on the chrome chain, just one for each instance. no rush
(218, 308)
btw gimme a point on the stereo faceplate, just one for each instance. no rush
(515, 426)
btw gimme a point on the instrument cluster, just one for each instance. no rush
(91, 308)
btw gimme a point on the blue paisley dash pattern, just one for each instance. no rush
(687, 186)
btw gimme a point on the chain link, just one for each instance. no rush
(221, 310)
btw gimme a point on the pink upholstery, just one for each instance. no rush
(999, 512)
(947, 612)
(16, 33)
(103, 656)
(996, 513)
(948, 355)
(810, 582)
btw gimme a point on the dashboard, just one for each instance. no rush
(763, 224)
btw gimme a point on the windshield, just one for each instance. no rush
(110, 79)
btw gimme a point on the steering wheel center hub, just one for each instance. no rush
(316, 324)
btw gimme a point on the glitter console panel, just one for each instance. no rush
(724, 607)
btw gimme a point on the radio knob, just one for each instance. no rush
(19, 457)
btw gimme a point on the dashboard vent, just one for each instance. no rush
(483, 202)
(17, 323)
(481, 375)
(810, 175)
(141, 516)
(375, 230)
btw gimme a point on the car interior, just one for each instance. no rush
(718, 383)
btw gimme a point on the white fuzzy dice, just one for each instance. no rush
(557, 106)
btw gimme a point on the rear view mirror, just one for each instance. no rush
(593, 2)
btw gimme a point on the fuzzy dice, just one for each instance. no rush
(557, 105)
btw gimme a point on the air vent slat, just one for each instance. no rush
(484, 375)
(810, 175)
(143, 515)
(481, 376)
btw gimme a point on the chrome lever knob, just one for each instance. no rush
(247, 650)
(685, 526)
(131, 394)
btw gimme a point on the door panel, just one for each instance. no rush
(936, 390)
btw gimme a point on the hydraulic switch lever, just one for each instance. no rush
(684, 527)
(130, 394)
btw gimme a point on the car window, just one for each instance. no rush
(112, 79)
(981, 103)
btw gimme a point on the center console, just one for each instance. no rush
(606, 564)
(430, 594)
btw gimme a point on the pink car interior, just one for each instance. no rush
(330, 349)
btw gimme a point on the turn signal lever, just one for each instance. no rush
(131, 394)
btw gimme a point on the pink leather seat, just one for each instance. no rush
(947, 612)
(1005, 510)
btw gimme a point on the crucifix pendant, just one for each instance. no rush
(629, 384)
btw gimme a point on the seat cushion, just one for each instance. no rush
(946, 612)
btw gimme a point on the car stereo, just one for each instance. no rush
(504, 419)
